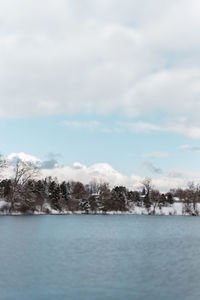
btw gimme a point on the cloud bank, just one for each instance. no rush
(104, 172)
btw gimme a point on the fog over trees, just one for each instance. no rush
(25, 192)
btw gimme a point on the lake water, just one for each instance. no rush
(99, 257)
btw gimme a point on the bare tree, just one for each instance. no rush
(23, 172)
(147, 183)
(3, 164)
(93, 187)
(155, 199)
(191, 198)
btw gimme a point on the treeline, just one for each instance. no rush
(48, 194)
(25, 193)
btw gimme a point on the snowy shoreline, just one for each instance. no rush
(175, 209)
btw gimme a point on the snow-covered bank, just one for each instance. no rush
(176, 209)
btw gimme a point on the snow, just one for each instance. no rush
(3, 203)
(177, 199)
(175, 209)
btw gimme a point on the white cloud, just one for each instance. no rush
(50, 163)
(155, 155)
(21, 156)
(135, 58)
(104, 172)
(78, 166)
(101, 172)
(188, 128)
(190, 148)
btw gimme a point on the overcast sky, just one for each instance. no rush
(111, 81)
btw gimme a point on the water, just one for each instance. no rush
(99, 258)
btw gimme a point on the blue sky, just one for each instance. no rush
(103, 82)
(126, 151)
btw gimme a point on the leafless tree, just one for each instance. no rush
(147, 183)
(191, 198)
(155, 199)
(3, 164)
(23, 172)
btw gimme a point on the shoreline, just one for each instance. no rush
(175, 209)
(113, 213)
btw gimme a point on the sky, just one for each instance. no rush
(102, 90)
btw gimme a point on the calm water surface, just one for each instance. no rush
(99, 258)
